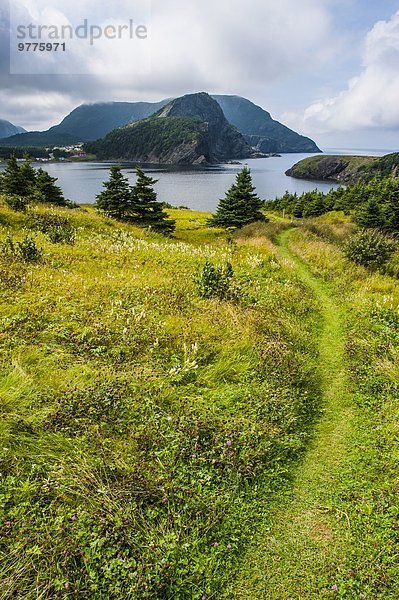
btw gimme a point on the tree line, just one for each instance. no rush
(26, 184)
(373, 203)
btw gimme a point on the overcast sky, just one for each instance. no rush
(326, 68)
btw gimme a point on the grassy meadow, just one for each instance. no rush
(143, 427)
(152, 439)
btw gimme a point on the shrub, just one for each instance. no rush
(17, 203)
(25, 250)
(370, 248)
(213, 281)
(61, 235)
(46, 221)
(10, 278)
(103, 405)
(28, 250)
(58, 228)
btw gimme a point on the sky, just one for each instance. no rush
(326, 68)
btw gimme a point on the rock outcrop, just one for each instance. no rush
(341, 169)
(188, 130)
(260, 130)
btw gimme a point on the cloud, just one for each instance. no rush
(221, 47)
(371, 98)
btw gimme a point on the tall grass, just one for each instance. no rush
(144, 428)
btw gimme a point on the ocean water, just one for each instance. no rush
(196, 188)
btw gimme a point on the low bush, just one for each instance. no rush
(370, 248)
(214, 281)
(16, 203)
(25, 250)
(58, 228)
(44, 222)
(61, 235)
(335, 232)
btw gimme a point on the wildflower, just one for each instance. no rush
(334, 588)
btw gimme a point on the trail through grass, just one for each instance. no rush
(295, 556)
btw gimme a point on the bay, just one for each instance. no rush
(196, 188)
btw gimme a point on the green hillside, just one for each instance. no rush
(167, 436)
(345, 169)
(191, 129)
(151, 140)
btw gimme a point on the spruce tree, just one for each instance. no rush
(149, 212)
(47, 191)
(12, 181)
(390, 209)
(28, 175)
(240, 206)
(116, 198)
(370, 215)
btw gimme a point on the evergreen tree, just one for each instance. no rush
(148, 211)
(298, 207)
(12, 180)
(116, 198)
(390, 209)
(314, 204)
(240, 206)
(370, 215)
(391, 216)
(47, 191)
(28, 175)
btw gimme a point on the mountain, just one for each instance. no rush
(90, 122)
(188, 130)
(93, 121)
(260, 130)
(7, 129)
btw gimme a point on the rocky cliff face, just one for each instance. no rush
(341, 169)
(260, 130)
(224, 141)
(189, 130)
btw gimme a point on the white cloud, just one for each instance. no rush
(223, 46)
(24, 106)
(371, 99)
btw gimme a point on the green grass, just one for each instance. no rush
(143, 428)
(292, 557)
(334, 535)
(158, 445)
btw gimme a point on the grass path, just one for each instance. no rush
(297, 553)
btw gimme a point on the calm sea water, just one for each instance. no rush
(197, 188)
